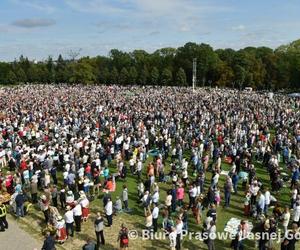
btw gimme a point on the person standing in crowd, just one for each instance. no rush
(286, 219)
(44, 205)
(34, 192)
(290, 240)
(267, 195)
(99, 227)
(227, 191)
(62, 198)
(125, 197)
(123, 237)
(3, 221)
(296, 213)
(61, 232)
(149, 220)
(69, 219)
(192, 195)
(173, 238)
(54, 194)
(211, 236)
(20, 200)
(155, 214)
(179, 231)
(84, 202)
(49, 242)
(261, 203)
(77, 211)
(109, 212)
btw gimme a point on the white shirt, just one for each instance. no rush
(69, 217)
(254, 190)
(109, 208)
(2, 153)
(60, 224)
(65, 175)
(172, 237)
(168, 200)
(267, 198)
(139, 166)
(85, 203)
(193, 192)
(126, 146)
(216, 178)
(212, 230)
(155, 197)
(155, 213)
(179, 227)
(98, 162)
(296, 214)
(77, 210)
(294, 194)
(286, 219)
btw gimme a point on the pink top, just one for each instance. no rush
(180, 193)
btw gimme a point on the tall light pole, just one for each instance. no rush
(194, 72)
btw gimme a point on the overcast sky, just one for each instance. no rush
(39, 28)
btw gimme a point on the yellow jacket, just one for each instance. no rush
(2, 210)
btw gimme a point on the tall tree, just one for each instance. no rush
(132, 75)
(114, 76)
(181, 77)
(12, 78)
(124, 76)
(60, 70)
(154, 76)
(167, 77)
(143, 77)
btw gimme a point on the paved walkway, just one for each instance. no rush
(14, 238)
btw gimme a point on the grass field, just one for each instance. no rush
(33, 223)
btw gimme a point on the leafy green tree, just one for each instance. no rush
(114, 76)
(181, 77)
(154, 76)
(120, 59)
(225, 74)
(12, 78)
(4, 70)
(32, 73)
(60, 70)
(124, 76)
(21, 76)
(261, 68)
(166, 77)
(50, 68)
(81, 72)
(103, 76)
(132, 75)
(144, 76)
(240, 76)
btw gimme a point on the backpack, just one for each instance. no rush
(124, 238)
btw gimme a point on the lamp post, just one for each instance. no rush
(194, 72)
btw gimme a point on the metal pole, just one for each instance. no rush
(194, 72)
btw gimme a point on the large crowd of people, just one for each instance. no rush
(62, 147)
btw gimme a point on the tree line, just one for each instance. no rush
(260, 68)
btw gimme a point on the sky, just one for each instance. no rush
(41, 28)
